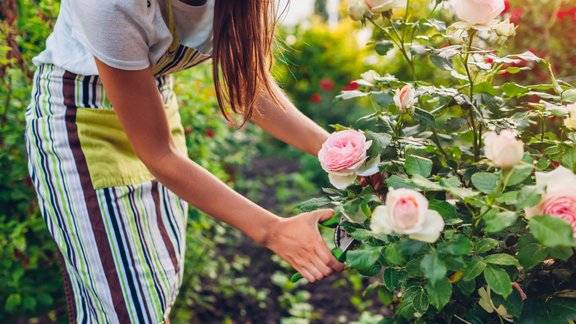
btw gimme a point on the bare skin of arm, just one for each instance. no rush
(138, 105)
(288, 124)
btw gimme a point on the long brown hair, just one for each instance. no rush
(242, 53)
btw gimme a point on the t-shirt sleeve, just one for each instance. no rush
(117, 32)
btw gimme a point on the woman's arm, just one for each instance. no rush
(289, 124)
(137, 103)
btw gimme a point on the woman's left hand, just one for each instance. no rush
(297, 240)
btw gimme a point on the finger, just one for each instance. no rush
(311, 267)
(323, 214)
(305, 273)
(319, 263)
(328, 259)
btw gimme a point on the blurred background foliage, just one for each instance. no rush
(228, 278)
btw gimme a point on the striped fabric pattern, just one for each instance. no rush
(122, 247)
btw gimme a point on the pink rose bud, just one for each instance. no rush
(503, 149)
(404, 98)
(342, 155)
(406, 212)
(478, 12)
(559, 200)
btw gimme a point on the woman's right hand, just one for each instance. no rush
(297, 240)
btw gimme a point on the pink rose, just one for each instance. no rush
(503, 149)
(344, 156)
(404, 98)
(406, 212)
(478, 12)
(559, 200)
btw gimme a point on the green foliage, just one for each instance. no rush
(493, 238)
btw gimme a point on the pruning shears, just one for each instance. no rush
(342, 240)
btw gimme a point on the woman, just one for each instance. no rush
(108, 158)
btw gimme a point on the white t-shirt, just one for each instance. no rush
(125, 34)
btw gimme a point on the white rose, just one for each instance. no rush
(370, 76)
(478, 12)
(406, 212)
(503, 149)
(505, 28)
(379, 6)
(404, 98)
(356, 10)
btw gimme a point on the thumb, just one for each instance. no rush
(323, 214)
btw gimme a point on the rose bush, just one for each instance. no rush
(470, 216)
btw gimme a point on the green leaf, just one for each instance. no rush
(561, 253)
(426, 184)
(433, 267)
(473, 269)
(421, 302)
(553, 310)
(499, 280)
(397, 182)
(485, 182)
(425, 118)
(531, 254)
(514, 90)
(495, 221)
(467, 287)
(392, 278)
(383, 47)
(444, 208)
(569, 95)
(385, 295)
(508, 198)
(551, 231)
(439, 293)
(441, 61)
(529, 196)
(569, 159)
(416, 165)
(501, 259)
(486, 244)
(363, 259)
(459, 245)
(519, 174)
(393, 255)
(379, 142)
(12, 302)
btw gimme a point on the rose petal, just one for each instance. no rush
(561, 176)
(370, 168)
(431, 229)
(380, 221)
(341, 182)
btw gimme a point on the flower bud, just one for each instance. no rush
(503, 149)
(356, 10)
(404, 98)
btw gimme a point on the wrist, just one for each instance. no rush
(267, 231)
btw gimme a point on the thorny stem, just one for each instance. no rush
(476, 140)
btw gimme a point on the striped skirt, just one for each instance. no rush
(122, 246)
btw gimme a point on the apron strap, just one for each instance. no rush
(172, 26)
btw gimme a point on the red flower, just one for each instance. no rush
(316, 98)
(326, 84)
(506, 7)
(350, 86)
(209, 132)
(516, 16)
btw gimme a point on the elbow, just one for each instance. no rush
(157, 160)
